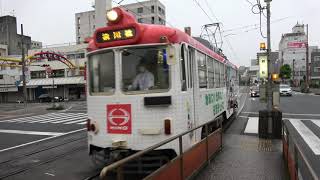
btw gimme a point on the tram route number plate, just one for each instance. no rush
(115, 35)
(119, 119)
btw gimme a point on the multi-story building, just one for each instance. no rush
(149, 12)
(36, 45)
(10, 37)
(292, 51)
(315, 67)
(63, 80)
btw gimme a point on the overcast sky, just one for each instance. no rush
(53, 22)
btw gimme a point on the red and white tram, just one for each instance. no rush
(146, 83)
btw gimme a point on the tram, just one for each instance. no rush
(147, 83)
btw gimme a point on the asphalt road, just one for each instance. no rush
(65, 156)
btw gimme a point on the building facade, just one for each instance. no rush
(59, 79)
(315, 67)
(149, 12)
(292, 51)
(10, 37)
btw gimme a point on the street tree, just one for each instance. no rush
(285, 71)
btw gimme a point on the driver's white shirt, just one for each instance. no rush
(143, 81)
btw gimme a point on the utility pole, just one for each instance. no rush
(23, 70)
(269, 85)
(307, 60)
(293, 73)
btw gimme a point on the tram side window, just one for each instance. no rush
(202, 70)
(145, 70)
(102, 74)
(222, 76)
(210, 64)
(183, 70)
(216, 74)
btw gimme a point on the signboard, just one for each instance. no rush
(119, 119)
(115, 35)
(296, 44)
(263, 64)
(9, 89)
(48, 70)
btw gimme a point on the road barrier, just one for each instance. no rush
(299, 166)
(185, 165)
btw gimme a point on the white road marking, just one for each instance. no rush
(77, 121)
(244, 102)
(252, 125)
(30, 132)
(49, 174)
(65, 118)
(33, 142)
(307, 135)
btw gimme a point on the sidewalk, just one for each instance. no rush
(246, 157)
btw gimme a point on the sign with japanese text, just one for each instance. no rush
(296, 44)
(115, 35)
(119, 118)
(263, 64)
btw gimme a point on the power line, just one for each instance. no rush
(228, 42)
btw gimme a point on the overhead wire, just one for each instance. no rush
(227, 40)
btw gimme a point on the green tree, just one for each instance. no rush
(285, 71)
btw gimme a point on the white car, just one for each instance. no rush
(285, 90)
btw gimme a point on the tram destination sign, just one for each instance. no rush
(115, 35)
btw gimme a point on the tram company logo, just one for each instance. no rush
(119, 118)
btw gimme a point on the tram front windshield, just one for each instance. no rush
(145, 70)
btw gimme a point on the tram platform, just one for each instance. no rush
(246, 157)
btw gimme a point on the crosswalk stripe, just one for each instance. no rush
(55, 118)
(52, 119)
(72, 122)
(39, 118)
(66, 120)
(24, 118)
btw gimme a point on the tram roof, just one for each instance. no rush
(146, 34)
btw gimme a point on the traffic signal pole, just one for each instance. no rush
(23, 71)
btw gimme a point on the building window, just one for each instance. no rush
(140, 10)
(140, 20)
(316, 69)
(317, 58)
(1, 76)
(78, 39)
(152, 20)
(152, 9)
(93, 16)
(94, 27)
(78, 20)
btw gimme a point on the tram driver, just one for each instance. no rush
(144, 80)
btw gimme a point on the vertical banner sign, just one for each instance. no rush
(263, 64)
(119, 119)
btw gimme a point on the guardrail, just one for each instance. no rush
(185, 165)
(291, 158)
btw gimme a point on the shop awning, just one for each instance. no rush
(57, 81)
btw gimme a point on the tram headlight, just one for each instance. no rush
(112, 15)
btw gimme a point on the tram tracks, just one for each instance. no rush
(38, 157)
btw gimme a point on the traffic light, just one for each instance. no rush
(45, 65)
(275, 77)
(263, 46)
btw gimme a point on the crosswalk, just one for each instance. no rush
(54, 118)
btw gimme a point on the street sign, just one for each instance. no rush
(263, 63)
(48, 70)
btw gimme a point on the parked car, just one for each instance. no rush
(285, 90)
(254, 91)
(44, 98)
(58, 99)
